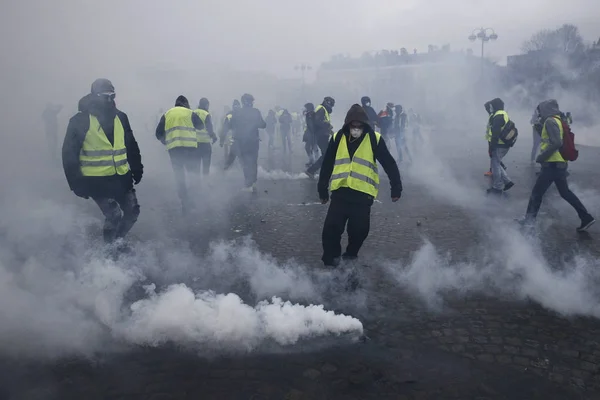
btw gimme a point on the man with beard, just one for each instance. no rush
(101, 160)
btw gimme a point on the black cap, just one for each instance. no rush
(182, 101)
(102, 85)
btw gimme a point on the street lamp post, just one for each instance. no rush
(485, 35)
(303, 68)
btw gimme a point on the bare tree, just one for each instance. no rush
(566, 39)
(403, 51)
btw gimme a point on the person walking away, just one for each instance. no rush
(285, 125)
(101, 159)
(554, 167)
(351, 163)
(50, 118)
(177, 130)
(365, 101)
(271, 122)
(497, 149)
(323, 131)
(245, 123)
(308, 138)
(206, 136)
(413, 121)
(226, 136)
(386, 119)
(536, 128)
(399, 132)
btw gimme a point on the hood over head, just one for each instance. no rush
(309, 107)
(494, 105)
(95, 105)
(203, 104)
(365, 100)
(182, 101)
(548, 108)
(357, 113)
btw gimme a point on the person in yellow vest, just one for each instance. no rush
(322, 131)
(554, 167)
(101, 159)
(177, 130)
(497, 149)
(226, 134)
(206, 136)
(350, 162)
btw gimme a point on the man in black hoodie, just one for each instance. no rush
(371, 113)
(554, 167)
(178, 131)
(322, 130)
(245, 123)
(310, 145)
(102, 160)
(350, 162)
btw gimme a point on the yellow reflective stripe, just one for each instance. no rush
(101, 153)
(180, 128)
(366, 163)
(180, 139)
(340, 176)
(343, 161)
(364, 178)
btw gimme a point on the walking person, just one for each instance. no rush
(177, 130)
(271, 121)
(323, 131)
(497, 148)
(285, 128)
(350, 162)
(101, 159)
(554, 167)
(206, 136)
(310, 144)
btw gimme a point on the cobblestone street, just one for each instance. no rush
(475, 344)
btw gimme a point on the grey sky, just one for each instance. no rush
(265, 34)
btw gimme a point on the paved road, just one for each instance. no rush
(455, 302)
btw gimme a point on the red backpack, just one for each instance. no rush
(568, 150)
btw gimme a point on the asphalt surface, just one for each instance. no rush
(483, 343)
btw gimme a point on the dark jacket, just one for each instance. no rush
(399, 124)
(372, 114)
(382, 155)
(160, 129)
(386, 121)
(285, 122)
(322, 127)
(309, 133)
(496, 122)
(548, 109)
(271, 122)
(92, 186)
(245, 123)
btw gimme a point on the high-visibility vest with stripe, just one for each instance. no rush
(359, 172)
(556, 156)
(179, 128)
(327, 118)
(203, 136)
(488, 134)
(98, 157)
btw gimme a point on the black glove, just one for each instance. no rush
(214, 140)
(137, 177)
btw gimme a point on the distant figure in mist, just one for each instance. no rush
(225, 135)
(271, 121)
(102, 160)
(245, 123)
(177, 130)
(497, 148)
(285, 128)
(50, 118)
(413, 122)
(371, 113)
(398, 132)
(350, 162)
(554, 167)
(206, 136)
(310, 143)
(322, 131)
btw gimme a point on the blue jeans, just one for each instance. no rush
(499, 175)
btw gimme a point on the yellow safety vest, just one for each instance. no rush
(203, 133)
(179, 128)
(98, 157)
(359, 173)
(327, 118)
(556, 156)
(488, 134)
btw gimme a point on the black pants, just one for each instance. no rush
(184, 160)
(120, 213)
(358, 217)
(248, 153)
(204, 157)
(558, 176)
(286, 139)
(322, 142)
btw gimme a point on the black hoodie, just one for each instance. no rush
(92, 186)
(382, 154)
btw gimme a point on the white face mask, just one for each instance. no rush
(356, 132)
(368, 104)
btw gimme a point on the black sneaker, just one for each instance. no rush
(332, 263)
(348, 257)
(494, 191)
(508, 186)
(586, 223)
